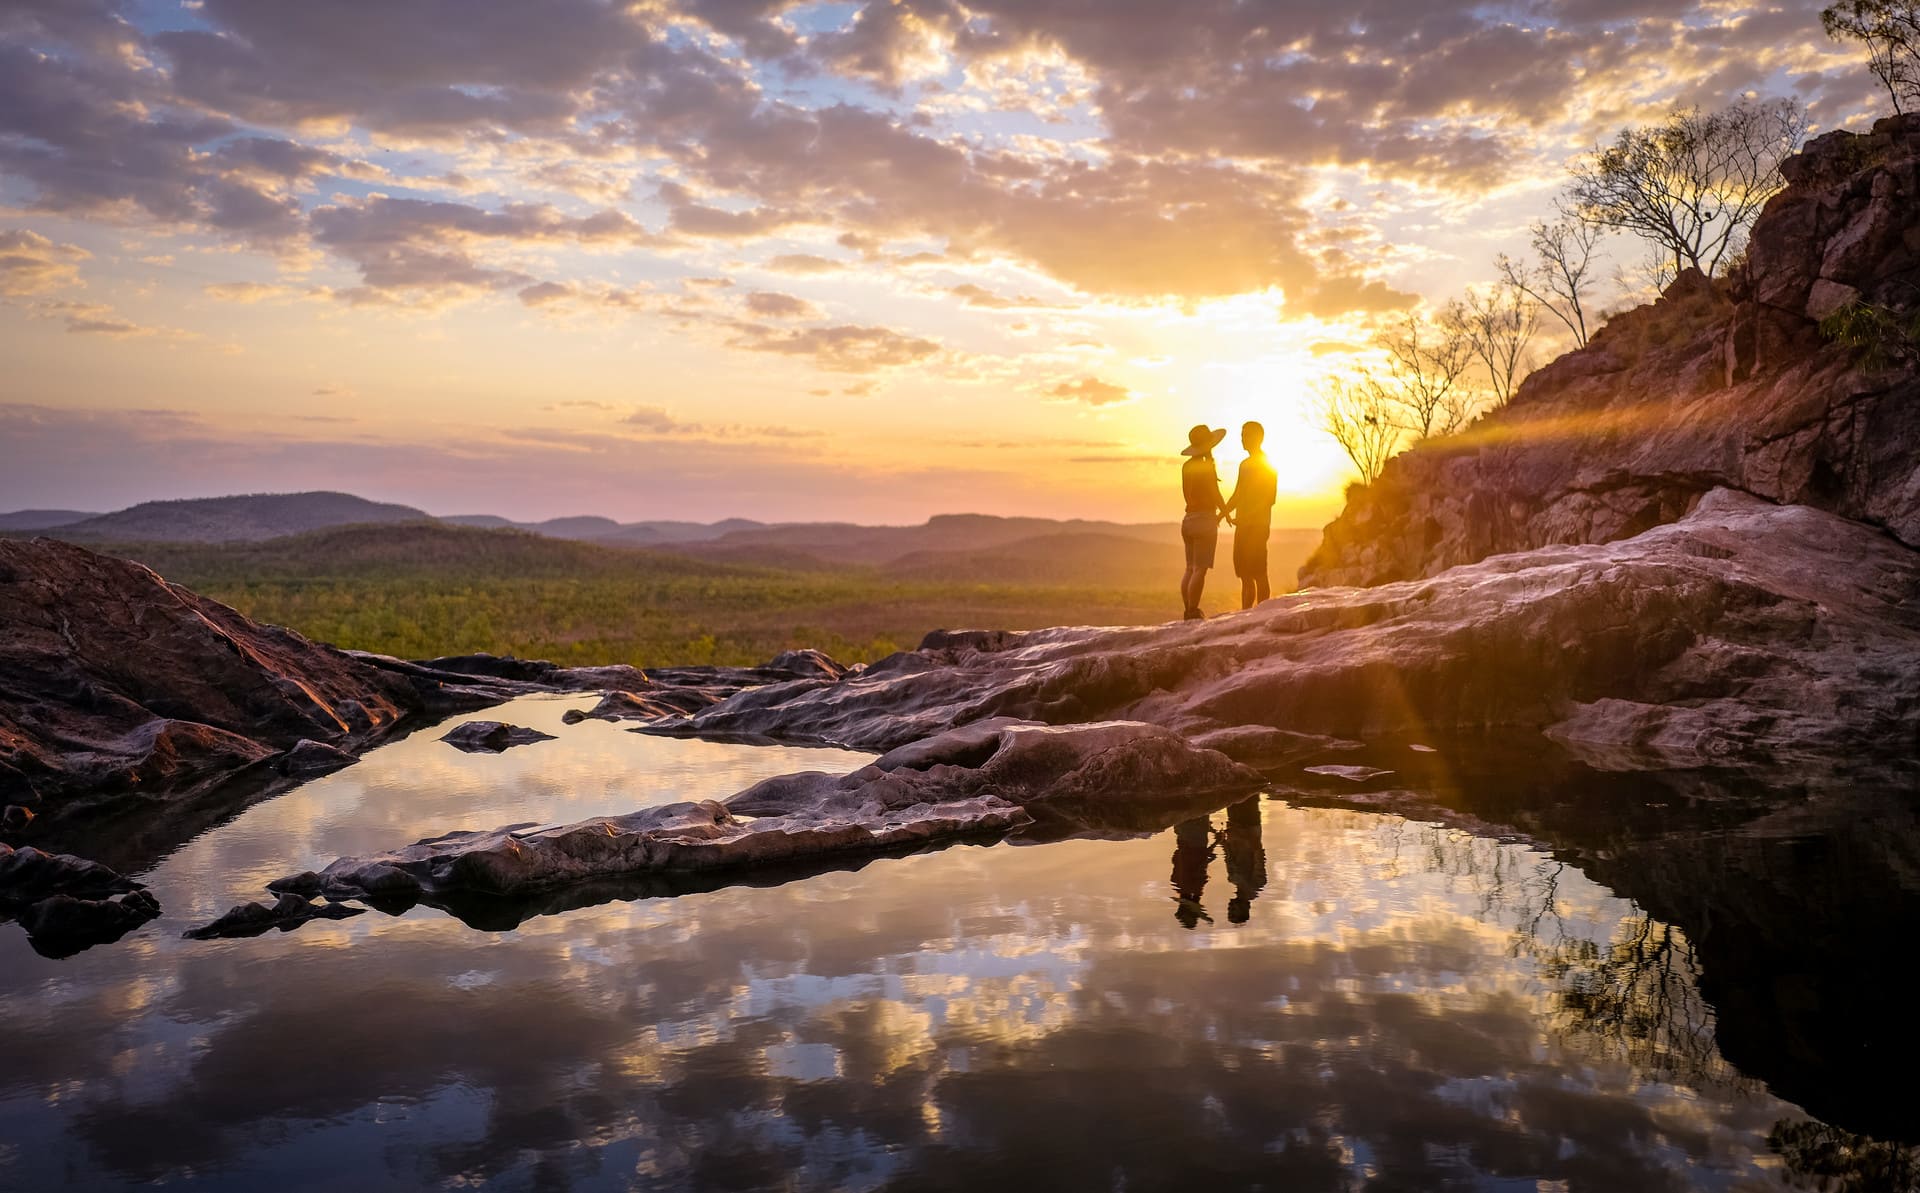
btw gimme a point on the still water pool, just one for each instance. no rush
(1267, 997)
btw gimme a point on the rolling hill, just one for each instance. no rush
(246, 518)
(27, 521)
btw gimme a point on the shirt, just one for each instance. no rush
(1201, 485)
(1255, 490)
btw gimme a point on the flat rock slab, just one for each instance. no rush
(286, 913)
(975, 781)
(491, 737)
(1746, 634)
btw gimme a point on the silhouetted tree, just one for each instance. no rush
(1498, 322)
(1423, 381)
(1692, 185)
(1890, 29)
(1359, 420)
(1560, 277)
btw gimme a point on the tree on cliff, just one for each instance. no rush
(1497, 321)
(1356, 415)
(1890, 29)
(1422, 384)
(1692, 185)
(1560, 276)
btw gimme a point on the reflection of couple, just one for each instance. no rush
(1194, 846)
(1252, 501)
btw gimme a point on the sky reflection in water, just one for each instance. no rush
(1402, 1003)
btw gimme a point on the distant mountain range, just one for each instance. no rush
(960, 548)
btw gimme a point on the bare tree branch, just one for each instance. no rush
(1693, 185)
(1890, 29)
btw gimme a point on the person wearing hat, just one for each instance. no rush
(1251, 505)
(1200, 529)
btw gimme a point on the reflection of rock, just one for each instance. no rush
(1728, 384)
(1757, 633)
(971, 781)
(287, 913)
(491, 737)
(67, 903)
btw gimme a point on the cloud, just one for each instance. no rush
(245, 292)
(843, 349)
(32, 264)
(436, 248)
(771, 305)
(1090, 391)
(655, 420)
(804, 264)
(979, 296)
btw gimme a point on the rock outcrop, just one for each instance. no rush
(66, 903)
(1746, 633)
(124, 695)
(1719, 384)
(981, 780)
(491, 737)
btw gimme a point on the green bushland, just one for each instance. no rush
(418, 590)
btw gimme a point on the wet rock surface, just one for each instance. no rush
(68, 904)
(285, 914)
(983, 779)
(491, 737)
(1745, 634)
(1727, 384)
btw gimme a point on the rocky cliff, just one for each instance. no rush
(1728, 384)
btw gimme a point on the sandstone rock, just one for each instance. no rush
(1713, 386)
(67, 903)
(287, 913)
(1352, 774)
(28, 875)
(1799, 625)
(977, 780)
(309, 758)
(116, 680)
(62, 925)
(491, 737)
(1828, 296)
(683, 838)
(662, 702)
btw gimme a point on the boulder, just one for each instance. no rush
(67, 903)
(62, 925)
(286, 913)
(491, 737)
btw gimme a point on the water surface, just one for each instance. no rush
(1266, 997)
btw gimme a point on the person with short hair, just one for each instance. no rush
(1251, 506)
(1200, 529)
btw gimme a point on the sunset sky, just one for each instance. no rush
(708, 258)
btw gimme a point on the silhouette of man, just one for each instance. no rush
(1246, 857)
(1192, 853)
(1254, 492)
(1200, 529)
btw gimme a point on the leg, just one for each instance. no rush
(1266, 589)
(1199, 583)
(1246, 593)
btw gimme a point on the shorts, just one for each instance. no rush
(1201, 533)
(1250, 552)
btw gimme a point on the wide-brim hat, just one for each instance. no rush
(1202, 439)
